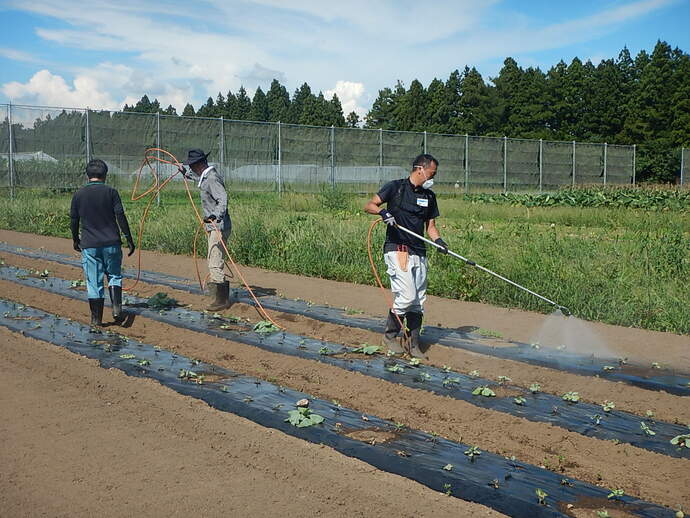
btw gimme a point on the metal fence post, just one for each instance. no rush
(467, 163)
(682, 165)
(505, 164)
(606, 148)
(88, 137)
(380, 153)
(425, 142)
(280, 152)
(10, 155)
(573, 163)
(634, 156)
(332, 156)
(222, 147)
(158, 154)
(541, 164)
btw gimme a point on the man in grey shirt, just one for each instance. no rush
(214, 204)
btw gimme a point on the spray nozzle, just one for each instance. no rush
(566, 312)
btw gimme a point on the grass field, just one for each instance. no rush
(621, 265)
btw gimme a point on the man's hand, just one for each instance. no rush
(130, 245)
(76, 245)
(442, 243)
(181, 170)
(387, 217)
(211, 217)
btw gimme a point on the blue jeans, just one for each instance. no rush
(98, 261)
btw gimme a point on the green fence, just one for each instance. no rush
(44, 147)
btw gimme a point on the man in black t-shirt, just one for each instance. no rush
(411, 204)
(98, 208)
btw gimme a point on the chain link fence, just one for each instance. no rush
(48, 148)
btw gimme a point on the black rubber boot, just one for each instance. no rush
(413, 323)
(116, 301)
(220, 293)
(390, 335)
(96, 307)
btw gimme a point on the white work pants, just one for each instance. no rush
(408, 287)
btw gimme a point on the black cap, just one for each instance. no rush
(194, 156)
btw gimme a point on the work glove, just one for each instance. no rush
(387, 217)
(76, 245)
(182, 170)
(441, 242)
(210, 218)
(130, 245)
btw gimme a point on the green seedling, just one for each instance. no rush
(571, 397)
(188, 375)
(127, 356)
(608, 368)
(473, 452)
(535, 388)
(367, 349)
(495, 483)
(352, 311)
(649, 414)
(622, 361)
(489, 333)
(224, 388)
(248, 399)
(681, 440)
(597, 419)
(424, 376)
(656, 365)
(264, 327)
(450, 381)
(646, 429)
(603, 514)
(395, 368)
(519, 400)
(77, 283)
(144, 362)
(483, 391)
(399, 427)
(504, 379)
(324, 351)
(445, 369)
(303, 417)
(566, 482)
(541, 495)
(448, 489)
(607, 405)
(448, 467)
(414, 362)
(535, 345)
(474, 374)
(161, 301)
(615, 493)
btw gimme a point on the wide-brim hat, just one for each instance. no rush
(194, 156)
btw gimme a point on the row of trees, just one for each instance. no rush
(644, 101)
(275, 105)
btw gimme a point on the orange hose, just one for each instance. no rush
(154, 190)
(386, 293)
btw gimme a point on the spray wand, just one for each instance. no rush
(468, 262)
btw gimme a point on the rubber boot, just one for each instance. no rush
(116, 301)
(96, 307)
(220, 293)
(390, 335)
(413, 322)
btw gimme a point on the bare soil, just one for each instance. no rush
(639, 472)
(79, 440)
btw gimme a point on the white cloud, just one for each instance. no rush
(17, 55)
(350, 94)
(48, 89)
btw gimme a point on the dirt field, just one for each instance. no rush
(84, 440)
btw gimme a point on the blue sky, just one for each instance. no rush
(102, 54)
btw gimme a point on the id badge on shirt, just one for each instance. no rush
(422, 202)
